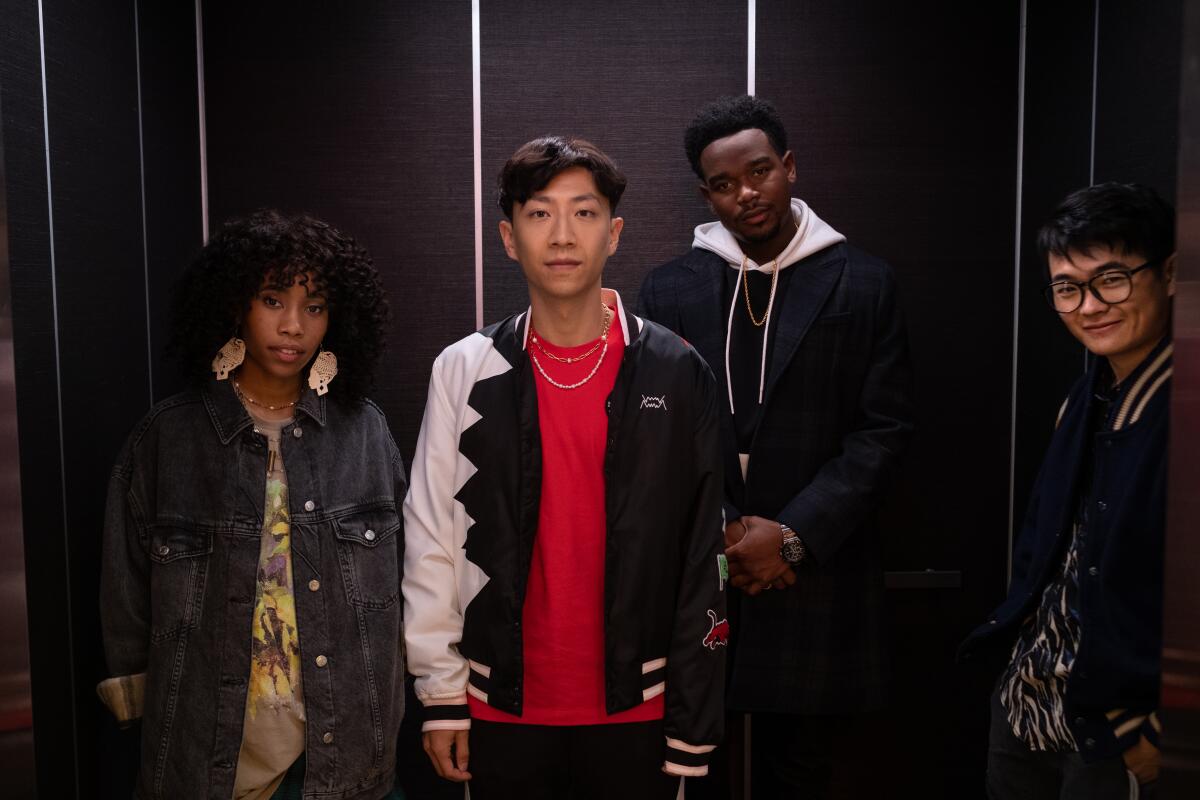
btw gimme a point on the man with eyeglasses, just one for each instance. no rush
(1073, 713)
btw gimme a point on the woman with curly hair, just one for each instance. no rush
(250, 562)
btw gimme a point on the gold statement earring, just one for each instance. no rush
(324, 370)
(229, 357)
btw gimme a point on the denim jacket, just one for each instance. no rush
(180, 558)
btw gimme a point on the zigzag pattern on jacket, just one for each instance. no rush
(492, 445)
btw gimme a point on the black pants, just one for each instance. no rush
(551, 762)
(791, 757)
(1014, 772)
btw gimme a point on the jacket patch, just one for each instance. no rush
(650, 401)
(718, 632)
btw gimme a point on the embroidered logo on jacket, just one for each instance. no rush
(718, 632)
(650, 401)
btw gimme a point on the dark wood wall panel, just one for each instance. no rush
(627, 75)
(1181, 617)
(362, 117)
(171, 159)
(1137, 97)
(91, 78)
(36, 384)
(91, 274)
(903, 120)
(1057, 160)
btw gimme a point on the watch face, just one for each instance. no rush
(792, 550)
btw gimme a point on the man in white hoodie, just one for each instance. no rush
(806, 339)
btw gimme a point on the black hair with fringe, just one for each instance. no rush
(536, 163)
(730, 115)
(215, 291)
(1127, 217)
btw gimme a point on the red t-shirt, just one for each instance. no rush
(563, 617)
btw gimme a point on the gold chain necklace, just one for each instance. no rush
(603, 341)
(573, 359)
(247, 398)
(758, 323)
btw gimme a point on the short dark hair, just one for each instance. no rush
(215, 291)
(730, 115)
(536, 163)
(1120, 216)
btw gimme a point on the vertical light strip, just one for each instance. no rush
(62, 455)
(1012, 434)
(1092, 148)
(137, 53)
(751, 35)
(203, 123)
(751, 55)
(1095, 82)
(477, 152)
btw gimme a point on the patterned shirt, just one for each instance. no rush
(273, 734)
(1033, 686)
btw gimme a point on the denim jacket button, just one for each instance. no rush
(297, 432)
(369, 535)
(309, 505)
(314, 585)
(327, 738)
(163, 550)
(321, 660)
(1093, 571)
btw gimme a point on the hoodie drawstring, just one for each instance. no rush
(762, 367)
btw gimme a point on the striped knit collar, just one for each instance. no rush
(1141, 385)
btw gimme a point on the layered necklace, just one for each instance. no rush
(601, 344)
(758, 323)
(237, 389)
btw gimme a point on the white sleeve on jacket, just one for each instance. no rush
(439, 582)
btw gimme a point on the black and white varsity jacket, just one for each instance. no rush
(471, 516)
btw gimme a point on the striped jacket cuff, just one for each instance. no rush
(686, 759)
(449, 714)
(1129, 726)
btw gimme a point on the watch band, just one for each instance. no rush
(792, 549)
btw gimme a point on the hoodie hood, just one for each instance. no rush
(812, 235)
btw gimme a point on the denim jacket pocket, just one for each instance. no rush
(178, 565)
(367, 552)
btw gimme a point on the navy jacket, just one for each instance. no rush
(1120, 556)
(836, 417)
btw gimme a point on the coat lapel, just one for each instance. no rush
(807, 292)
(701, 320)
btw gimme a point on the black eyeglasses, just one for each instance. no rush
(1111, 287)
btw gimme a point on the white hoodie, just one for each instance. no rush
(812, 235)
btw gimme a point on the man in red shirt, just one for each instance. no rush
(563, 580)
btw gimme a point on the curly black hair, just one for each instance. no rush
(727, 116)
(215, 292)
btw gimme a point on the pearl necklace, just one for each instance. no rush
(595, 369)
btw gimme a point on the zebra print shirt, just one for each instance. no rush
(1033, 686)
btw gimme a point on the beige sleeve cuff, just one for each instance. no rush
(125, 697)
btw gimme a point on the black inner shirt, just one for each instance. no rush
(746, 343)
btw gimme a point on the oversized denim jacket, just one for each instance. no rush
(180, 556)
